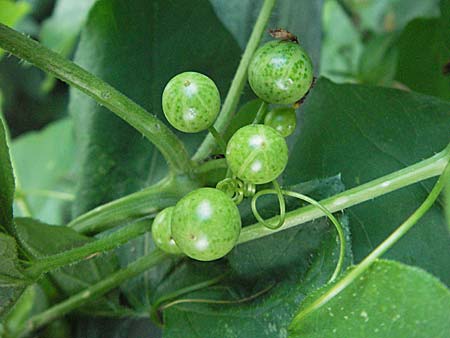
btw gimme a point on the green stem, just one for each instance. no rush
(95, 291)
(149, 125)
(156, 307)
(90, 249)
(60, 195)
(337, 225)
(430, 167)
(218, 138)
(379, 250)
(211, 165)
(218, 301)
(238, 83)
(261, 113)
(136, 205)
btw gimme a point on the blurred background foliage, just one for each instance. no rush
(396, 43)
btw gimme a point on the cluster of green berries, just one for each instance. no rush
(205, 224)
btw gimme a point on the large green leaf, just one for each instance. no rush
(6, 180)
(363, 133)
(43, 163)
(40, 240)
(301, 17)
(138, 46)
(293, 261)
(269, 314)
(115, 328)
(428, 41)
(12, 280)
(389, 300)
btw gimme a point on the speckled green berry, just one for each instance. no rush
(191, 102)
(206, 224)
(257, 154)
(280, 72)
(282, 119)
(161, 232)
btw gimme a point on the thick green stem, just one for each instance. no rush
(95, 291)
(261, 113)
(139, 204)
(90, 249)
(238, 83)
(379, 250)
(149, 125)
(420, 171)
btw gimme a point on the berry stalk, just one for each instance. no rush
(237, 85)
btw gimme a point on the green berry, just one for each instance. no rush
(191, 102)
(206, 224)
(280, 72)
(283, 120)
(257, 154)
(162, 234)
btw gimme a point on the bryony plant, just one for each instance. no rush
(279, 259)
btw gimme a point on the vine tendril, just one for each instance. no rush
(236, 189)
(281, 202)
(281, 193)
(215, 301)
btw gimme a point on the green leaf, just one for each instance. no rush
(6, 180)
(389, 15)
(41, 240)
(267, 315)
(286, 251)
(139, 59)
(139, 290)
(378, 61)
(115, 328)
(60, 31)
(11, 12)
(301, 17)
(290, 263)
(342, 45)
(428, 41)
(12, 280)
(389, 300)
(44, 164)
(363, 133)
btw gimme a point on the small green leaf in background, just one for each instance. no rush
(12, 280)
(41, 240)
(424, 49)
(11, 12)
(6, 180)
(364, 132)
(389, 300)
(342, 45)
(44, 165)
(382, 16)
(60, 31)
(378, 61)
